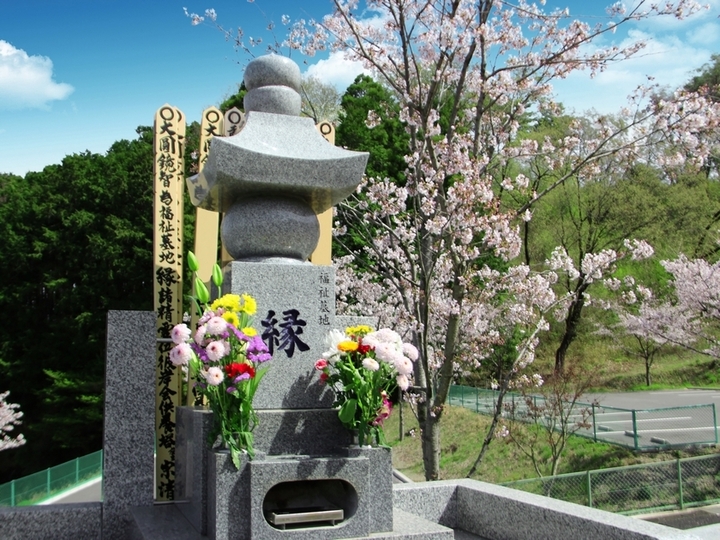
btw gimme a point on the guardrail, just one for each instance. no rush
(650, 487)
(38, 486)
(641, 430)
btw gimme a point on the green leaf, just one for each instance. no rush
(347, 411)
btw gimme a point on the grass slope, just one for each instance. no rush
(462, 433)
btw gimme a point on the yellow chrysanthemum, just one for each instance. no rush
(232, 318)
(347, 346)
(229, 302)
(249, 305)
(359, 330)
(249, 331)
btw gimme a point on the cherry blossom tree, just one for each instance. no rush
(441, 244)
(651, 325)
(440, 247)
(545, 416)
(696, 310)
(9, 418)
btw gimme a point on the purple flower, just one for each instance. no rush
(230, 389)
(238, 334)
(257, 351)
(259, 358)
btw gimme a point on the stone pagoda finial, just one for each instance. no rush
(277, 174)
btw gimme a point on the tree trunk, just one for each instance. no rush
(648, 381)
(572, 321)
(430, 439)
(401, 421)
(491, 431)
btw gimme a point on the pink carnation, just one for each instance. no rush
(215, 350)
(410, 351)
(214, 376)
(370, 364)
(180, 333)
(200, 334)
(387, 353)
(216, 326)
(403, 365)
(321, 364)
(181, 354)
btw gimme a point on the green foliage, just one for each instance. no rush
(77, 243)
(707, 79)
(388, 142)
(235, 100)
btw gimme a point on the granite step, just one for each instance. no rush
(160, 522)
(408, 526)
(166, 522)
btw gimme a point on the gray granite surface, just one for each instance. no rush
(273, 99)
(162, 521)
(257, 228)
(191, 454)
(315, 432)
(463, 509)
(500, 513)
(265, 474)
(291, 382)
(380, 480)
(272, 69)
(75, 521)
(276, 154)
(129, 421)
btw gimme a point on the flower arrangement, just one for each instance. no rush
(225, 362)
(364, 367)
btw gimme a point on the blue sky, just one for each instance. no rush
(77, 75)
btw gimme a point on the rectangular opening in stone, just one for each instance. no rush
(310, 503)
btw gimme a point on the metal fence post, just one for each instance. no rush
(12, 493)
(77, 470)
(588, 486)
(715, 423)
(594, 424)
(635, 434)
(477, 400)
(680, 484)
(48, 482)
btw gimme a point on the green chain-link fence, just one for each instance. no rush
(649, 429)
(668, 485)
(41, 485)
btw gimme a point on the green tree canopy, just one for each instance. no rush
(78, 242)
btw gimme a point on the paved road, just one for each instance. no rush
(88, 492)
(685, 417)
(650, 428)
(656, 399)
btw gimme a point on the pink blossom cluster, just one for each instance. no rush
(696, 309)
(10, 416)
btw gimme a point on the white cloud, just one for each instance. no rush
(668, 23)
(667, 59)
(707, 34)
(336, 70)
(27, 81)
